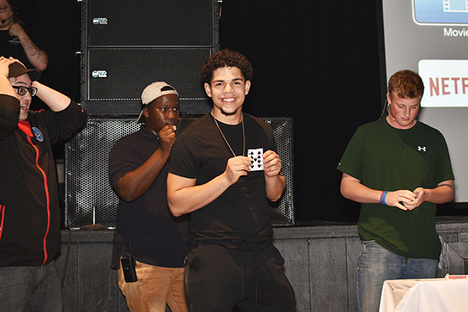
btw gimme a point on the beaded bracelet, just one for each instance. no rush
(382, 197)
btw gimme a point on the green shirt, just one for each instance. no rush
(389, 159)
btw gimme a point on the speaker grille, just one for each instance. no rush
(126, 45)
(91, 200)
(282, 211)
(154, 22)
(122, 73)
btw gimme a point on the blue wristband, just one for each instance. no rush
(382, 197)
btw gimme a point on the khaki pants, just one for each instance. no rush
(156, 287)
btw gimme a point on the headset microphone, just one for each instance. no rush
(390, 114)
(5, 19)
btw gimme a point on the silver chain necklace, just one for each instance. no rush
(225, 140)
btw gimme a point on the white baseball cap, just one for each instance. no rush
(153, 91)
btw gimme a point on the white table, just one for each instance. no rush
(428, 295)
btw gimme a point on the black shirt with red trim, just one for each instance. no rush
(30, 212)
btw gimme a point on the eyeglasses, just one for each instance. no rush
(21, 90)
(166, 110)
(3, 9)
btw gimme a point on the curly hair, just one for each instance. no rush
(406, 84)
(226, 58)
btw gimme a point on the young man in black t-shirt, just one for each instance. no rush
(223, 171)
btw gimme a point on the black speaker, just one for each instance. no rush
(149, 23)
(89, 198)
(127, 45)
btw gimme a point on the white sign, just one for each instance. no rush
(445, 82)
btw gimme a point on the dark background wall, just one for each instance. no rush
(316, 61)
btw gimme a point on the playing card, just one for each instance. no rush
(257, 158)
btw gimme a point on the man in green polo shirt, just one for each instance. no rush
(398, 169)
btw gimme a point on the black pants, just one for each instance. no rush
(217, 279)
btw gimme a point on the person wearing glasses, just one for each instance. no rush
(30, 217)
(15, 41)
(150, 245)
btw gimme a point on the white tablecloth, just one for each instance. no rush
(425, 295)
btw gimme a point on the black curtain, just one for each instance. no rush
(318, 62)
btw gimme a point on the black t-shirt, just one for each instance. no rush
(240, 217)
(145, 228)
(11, 46)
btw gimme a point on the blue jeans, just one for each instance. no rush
(30, 288)
(376, 265)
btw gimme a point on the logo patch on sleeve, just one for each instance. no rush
(38, 134)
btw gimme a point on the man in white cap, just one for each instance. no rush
(29, 206)
(150, 245)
